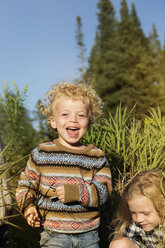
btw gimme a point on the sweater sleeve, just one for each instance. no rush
(27, 186)
(96, 192)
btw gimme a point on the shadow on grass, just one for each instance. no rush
(25, 236)
(107, 215)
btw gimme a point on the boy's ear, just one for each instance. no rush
(53, 122)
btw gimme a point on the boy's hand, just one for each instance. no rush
(60, 193)
(31, 216)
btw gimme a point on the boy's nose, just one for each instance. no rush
(73, 118)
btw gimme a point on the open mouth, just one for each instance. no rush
(73, 131)
(72, 128)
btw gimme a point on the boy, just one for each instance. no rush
(71, 179)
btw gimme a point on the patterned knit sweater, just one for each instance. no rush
(85, 175)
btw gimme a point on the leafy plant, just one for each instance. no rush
(129, 144)
(19, 138)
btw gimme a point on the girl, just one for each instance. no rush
(141, 212)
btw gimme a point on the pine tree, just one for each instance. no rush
(134, 82)
(158, 60)
(154, 40)
(103, 60)
(122, 62)
(80, 44)
(136, 60)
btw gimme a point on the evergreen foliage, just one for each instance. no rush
(102, 63)
(125, 64)
(158, 72)
(126, 67)
(80, 44)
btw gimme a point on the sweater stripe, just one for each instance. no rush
(71, 160)
(87, 182)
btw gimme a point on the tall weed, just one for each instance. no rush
(19, 138)
(130, 145)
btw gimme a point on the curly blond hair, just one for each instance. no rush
(74, 91)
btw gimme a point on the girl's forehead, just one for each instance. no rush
(141, 203)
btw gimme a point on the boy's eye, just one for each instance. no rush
(82, 115)
(64, 114)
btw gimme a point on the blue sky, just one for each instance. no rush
(38, 43)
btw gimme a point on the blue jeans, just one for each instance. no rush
(51, 239)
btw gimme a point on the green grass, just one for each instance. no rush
(130, 145)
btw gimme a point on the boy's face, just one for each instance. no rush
(143, 212)
(71, 120)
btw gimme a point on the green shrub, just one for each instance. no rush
(19, 138)
(130, 146)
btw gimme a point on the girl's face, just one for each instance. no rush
(71, 120)
(143, 212)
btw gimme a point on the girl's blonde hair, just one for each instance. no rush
(150, 183)
(74, 91)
